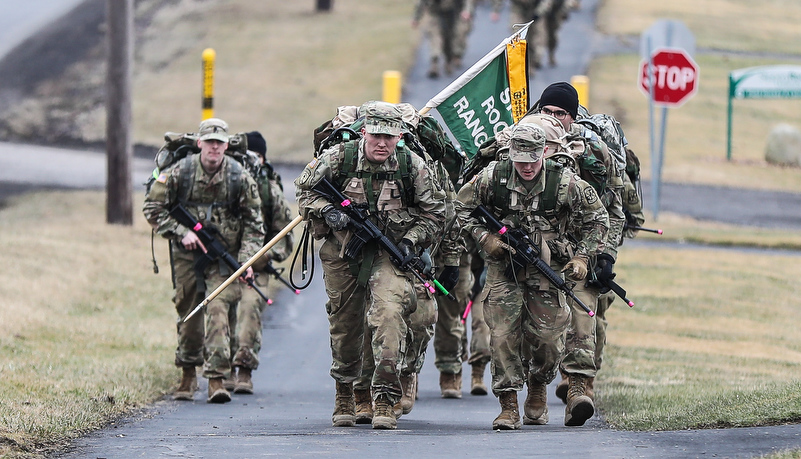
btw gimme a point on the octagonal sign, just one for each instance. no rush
(675, 75)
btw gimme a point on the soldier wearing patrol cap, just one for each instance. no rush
(217, 191)
(370, 288)
(528, 316)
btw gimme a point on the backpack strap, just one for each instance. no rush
(348, 170)
(187, 178)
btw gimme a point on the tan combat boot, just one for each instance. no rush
(579, 407)
(384, 416)
(229, 383)
(477, 386)
(344, 407)
(561, 388)
(244, 381)
(186, 389)
(409, 386)
(364, 406)
(217, 393)
(535, 408)
(450, 385)
(509, 419)
(589, 391)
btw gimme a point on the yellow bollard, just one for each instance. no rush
(392, 86)
(208, 83)
(582, 85)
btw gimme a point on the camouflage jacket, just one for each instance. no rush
(612, 197)
(577, 205)
(421, 221)
(240, 223)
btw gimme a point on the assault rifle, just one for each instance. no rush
(526, 253)
(271, 270)
(214, 248)
(364, 231)
(610, 284)
(631, 223)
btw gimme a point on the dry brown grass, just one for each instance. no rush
(281, 68)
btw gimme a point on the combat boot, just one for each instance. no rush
(477, 386)
(561, 388)
(535, 408)
(344, 407)
(409, 386)
(579, 407)
(384, 416)
(217, 393)
(450, 384)
(509, 419)
(364, 406)
(589, 391)
(229, 383)
(244, 381)
(186, 389)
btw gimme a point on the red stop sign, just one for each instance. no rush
(675, 75)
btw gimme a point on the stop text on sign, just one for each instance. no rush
(675, 77)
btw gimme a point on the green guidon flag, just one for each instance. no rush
(478, 105)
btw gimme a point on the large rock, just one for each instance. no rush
(784, 146)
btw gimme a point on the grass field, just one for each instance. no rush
(710, 327)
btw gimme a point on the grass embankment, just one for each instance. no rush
(710, 341)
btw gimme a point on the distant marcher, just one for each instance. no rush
(217, 191)
(277, 215)
(447, 23)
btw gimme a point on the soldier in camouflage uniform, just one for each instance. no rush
(220, 193)
(528, 316)
(578, 366)
(372, 287)
(521, 12)
(247, 318)
(447, 23)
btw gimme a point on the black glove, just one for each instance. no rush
(335, 218)
(449, 277)
(604, 265)
(406, 248)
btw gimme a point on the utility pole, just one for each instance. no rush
(119, 149)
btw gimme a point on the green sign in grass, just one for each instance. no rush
(765, 82)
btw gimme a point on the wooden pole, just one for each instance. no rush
(119, 149)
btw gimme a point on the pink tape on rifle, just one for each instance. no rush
(198, 227)
(502, 230)
(345, 203)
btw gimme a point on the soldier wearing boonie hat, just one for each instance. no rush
(527, 144)
(213, 129)
(382, 118)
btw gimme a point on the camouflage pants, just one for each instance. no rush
(604, 303)
(553, 19)
(580, 339)
(447, 35)
(450, 332)
(246, 324)
(217, 343)
(480, 337)
(527, 328)
(386, 301)
(521, 13)
(421, 329)
(190, 334)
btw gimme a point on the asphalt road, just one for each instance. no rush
(289, 416)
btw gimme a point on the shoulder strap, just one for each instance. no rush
(500, 178)
(553, 174)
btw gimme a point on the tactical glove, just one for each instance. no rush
(449, 277)
(604, 265)
(494, 246)
(576, 268)
(335, 218)
(406, 248)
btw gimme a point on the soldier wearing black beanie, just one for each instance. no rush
(561, 95)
